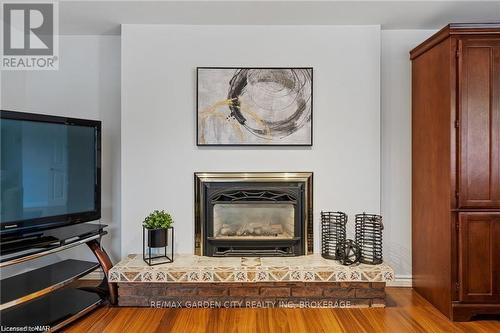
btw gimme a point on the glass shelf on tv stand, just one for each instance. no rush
(62, 239)
(37, 283)
(52, 311)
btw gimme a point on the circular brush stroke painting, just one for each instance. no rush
(254, 106)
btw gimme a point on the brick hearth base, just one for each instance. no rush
(257, 294)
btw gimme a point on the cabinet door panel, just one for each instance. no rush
(479, 80)
(479, 257)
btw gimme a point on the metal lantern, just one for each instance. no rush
(368, 235)
(333, 231)
(348, 252)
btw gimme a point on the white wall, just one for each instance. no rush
(159, 152)
(396, 145)
(87, 85)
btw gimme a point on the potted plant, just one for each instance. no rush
(157, 224)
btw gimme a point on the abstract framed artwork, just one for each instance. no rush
(243, 106)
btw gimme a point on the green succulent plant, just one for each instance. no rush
(159, 219)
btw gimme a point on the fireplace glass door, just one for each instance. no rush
(253, 221)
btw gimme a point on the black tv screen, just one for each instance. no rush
(50, 171)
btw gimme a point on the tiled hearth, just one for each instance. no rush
(191, 268)
(197, 278)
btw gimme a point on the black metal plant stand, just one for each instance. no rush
(333, 232)
(368, 235)
(164, 257)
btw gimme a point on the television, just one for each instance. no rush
(50, 172)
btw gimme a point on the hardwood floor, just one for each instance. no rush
(406, 312)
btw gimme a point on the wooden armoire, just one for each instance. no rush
(456, 170)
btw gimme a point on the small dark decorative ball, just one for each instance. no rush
(348, 252)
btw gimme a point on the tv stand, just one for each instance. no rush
(50, 296)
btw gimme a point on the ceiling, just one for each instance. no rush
(105, 17)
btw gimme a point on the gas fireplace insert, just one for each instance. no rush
(253, 214)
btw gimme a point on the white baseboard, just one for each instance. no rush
(401, 281)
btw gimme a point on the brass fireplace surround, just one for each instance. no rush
(202, 178)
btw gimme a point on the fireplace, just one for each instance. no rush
(253, 214)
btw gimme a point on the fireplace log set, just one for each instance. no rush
(253, 229)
